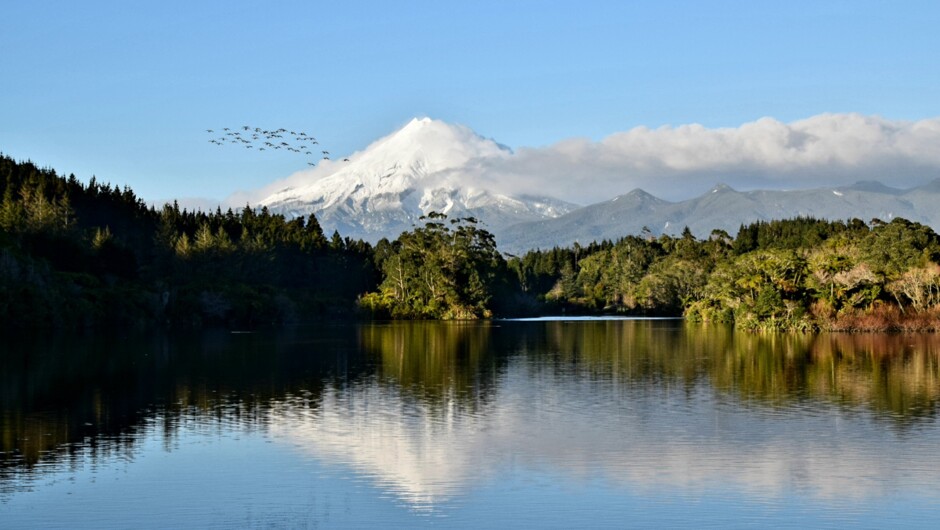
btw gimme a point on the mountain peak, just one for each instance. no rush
(872, 186)
(432, 144)
(636, 198)
(639, 194)
(421, 122)
(424, 152)
(419, 125)
(426, 165)
(720, 187)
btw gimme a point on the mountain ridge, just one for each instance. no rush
(725, 208)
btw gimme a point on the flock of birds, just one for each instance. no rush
(273, 140)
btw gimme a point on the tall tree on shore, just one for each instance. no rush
(445, 269)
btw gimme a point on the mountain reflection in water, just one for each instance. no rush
(431, 411)
(638, 404)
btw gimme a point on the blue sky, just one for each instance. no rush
(125, 90)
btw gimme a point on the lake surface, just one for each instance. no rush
(614, 423)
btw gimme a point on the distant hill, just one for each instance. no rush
(723, 208)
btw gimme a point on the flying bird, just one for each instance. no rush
(256, 137)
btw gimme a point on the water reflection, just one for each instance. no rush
(437, 361)
(431, 411)
(68, 398)
(647, 405)
(898, 375)
(413, 424)
(894, 374)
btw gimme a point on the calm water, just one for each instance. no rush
(538, 424)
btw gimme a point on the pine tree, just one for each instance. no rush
(183, 247)
(11, 212)
(63, 214)
(39, 211)
(336, 242)
(203, 240)
(102, 238)
(222, 241)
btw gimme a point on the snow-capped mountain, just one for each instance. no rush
(428, 165)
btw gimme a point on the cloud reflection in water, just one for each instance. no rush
(610, 404)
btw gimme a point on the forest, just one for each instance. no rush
(76, 255)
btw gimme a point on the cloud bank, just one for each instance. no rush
(678, 162)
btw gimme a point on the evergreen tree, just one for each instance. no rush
(12, 216)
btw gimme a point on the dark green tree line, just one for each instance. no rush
(74, 254)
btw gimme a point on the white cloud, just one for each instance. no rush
(253, 197)
(678, 162)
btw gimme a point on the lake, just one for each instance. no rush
(544, 423)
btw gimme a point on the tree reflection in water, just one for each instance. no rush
(63, 399)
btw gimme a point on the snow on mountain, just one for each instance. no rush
(428, 165)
